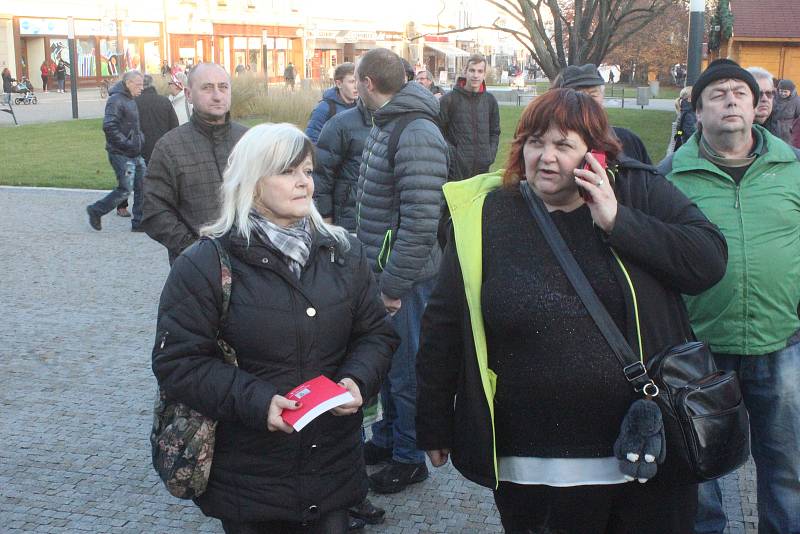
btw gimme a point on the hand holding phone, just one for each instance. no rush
(601, 159)
(595, 186)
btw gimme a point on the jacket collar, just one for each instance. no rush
(254, 251)
(461, 87)
(212, 131)
(366, 114)
(688, 158)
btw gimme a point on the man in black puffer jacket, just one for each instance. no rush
(470, 120)
(339, 150)
(397, 209)
(124, 142)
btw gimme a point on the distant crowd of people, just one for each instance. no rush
(378, 249)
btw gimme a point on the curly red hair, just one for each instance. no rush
(570, 111)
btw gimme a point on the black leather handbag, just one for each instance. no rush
(705, 420)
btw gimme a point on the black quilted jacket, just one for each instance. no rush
(285, 331)
(181, 187)
(121, 123)
(471, 125)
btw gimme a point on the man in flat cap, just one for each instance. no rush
(586, 79)
(747, 182)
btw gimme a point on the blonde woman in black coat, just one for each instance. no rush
(303, 303)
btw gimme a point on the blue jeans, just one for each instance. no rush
(397, 430)
(130, 172)
(771, 390)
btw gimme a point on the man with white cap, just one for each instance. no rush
(182, 107)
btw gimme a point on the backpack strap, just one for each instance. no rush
(226, 278)
(394, 137)
(331, 108)
(226, 281)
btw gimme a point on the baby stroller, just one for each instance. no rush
(25, 88)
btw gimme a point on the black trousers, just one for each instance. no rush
(649, 508)
(335, 522)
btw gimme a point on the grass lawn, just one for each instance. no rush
(72, 153)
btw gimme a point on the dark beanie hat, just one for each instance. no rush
(577, 76)
(785, 85)
(724, 69)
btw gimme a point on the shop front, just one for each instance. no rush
(254, 49)
(334, 47)
(44, 41)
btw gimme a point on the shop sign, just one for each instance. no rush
(105, 27)
(42, 27)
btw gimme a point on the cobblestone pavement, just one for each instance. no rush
(77, 319)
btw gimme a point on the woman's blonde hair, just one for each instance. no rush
(685, 94)
(265, 150)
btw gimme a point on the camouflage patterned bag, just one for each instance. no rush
(182, 439)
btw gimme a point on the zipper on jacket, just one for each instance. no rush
(736, 204)
(386, 250)
(164, 335)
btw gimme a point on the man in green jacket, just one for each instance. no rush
(747, 181)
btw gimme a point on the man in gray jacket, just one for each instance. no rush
(398, 204)
(181, 187)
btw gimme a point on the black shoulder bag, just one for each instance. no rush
(705, 420)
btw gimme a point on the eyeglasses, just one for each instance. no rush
(769, 94)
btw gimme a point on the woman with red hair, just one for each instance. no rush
(515, 380)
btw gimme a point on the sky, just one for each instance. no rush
(390, 12)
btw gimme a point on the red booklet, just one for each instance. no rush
(318, 396)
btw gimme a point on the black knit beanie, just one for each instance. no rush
(724, 69)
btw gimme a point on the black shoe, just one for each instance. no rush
(94, 219)
(356, 524)
(368, 512)
(396, 476)
(375, 455)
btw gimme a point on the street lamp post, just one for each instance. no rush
(73, 66)
(695, 53)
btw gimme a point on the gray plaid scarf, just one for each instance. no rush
(293, 243)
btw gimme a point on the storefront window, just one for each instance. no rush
(133, 58)
(87, 66)
(59, 50)
(152, 57)
(109, 60)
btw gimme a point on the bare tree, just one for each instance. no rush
(558, 33)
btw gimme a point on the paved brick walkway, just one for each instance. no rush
(77, 319)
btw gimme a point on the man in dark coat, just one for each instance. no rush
(339, 150)
(764, 109)
(398, 204)
(587, 79)
(425, 78)
(470, 120)
(124, 142)
(155, 121)
(289, 75)
(156, 116)
(181, 188)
